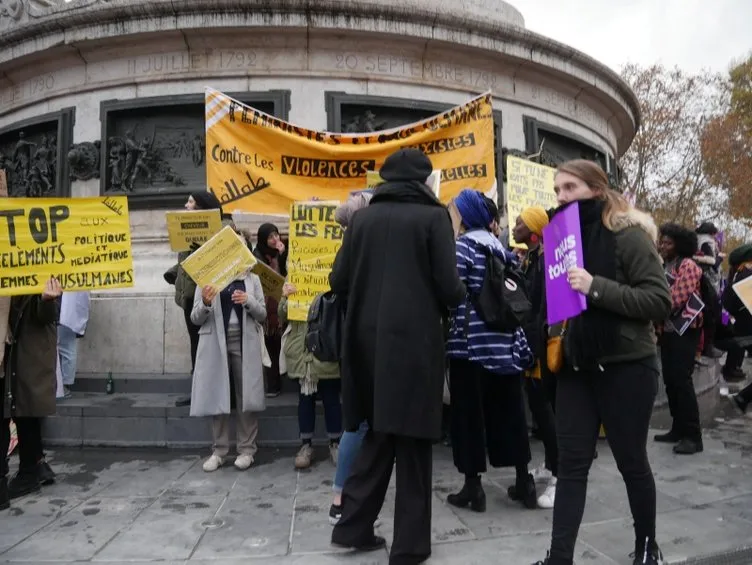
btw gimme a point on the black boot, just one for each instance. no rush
(45, 473)
(524, 491)
(647, 552)
(4, 494)
(688, 447)
(24, 482)
(472, 495)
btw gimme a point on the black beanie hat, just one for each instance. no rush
(406, 165)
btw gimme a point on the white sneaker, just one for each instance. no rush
(243, 461)
(547, 499)
(541, 474)
(213, 463)
(334, 453)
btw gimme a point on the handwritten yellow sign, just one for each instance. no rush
(315, 239)
(260, 163)
(220, 260)
(528, 184)
(189, 227)
(84, 242)
(271, 281)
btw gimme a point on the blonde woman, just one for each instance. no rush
(610, 369)
(228, 371)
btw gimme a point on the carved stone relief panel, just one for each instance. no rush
(155, 150)
(553, 146)
(32, 153)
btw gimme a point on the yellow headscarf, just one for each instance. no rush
(535, 218)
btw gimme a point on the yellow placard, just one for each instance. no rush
(259, 163)
(528, 184)
(220, 260)
(315, 239)
(83, 242)
(743, 290)
(271, 281)
(373, 179)
(188, 227)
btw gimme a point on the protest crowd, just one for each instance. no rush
(436, 324)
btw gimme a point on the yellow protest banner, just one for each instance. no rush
(220, 260)
(315, 239)
(260, 163)
(188, 227)
(528, 184)
(84, 242)
(271, 281)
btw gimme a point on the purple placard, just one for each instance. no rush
(562, 250)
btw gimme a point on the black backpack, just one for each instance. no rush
(325, 322)
(712, 311)
(503, 302)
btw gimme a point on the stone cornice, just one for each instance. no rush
(488, 25)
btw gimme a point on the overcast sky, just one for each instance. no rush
(693, 34)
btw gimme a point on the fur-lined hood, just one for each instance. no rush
(636, 218)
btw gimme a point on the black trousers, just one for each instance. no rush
(539, 402)
(365, 489)
(621, 397)
(488, 417)
(192, 332)
(29, 442)
(678, 365)
(30, 450)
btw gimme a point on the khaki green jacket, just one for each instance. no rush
(640, 293)
(301, 362)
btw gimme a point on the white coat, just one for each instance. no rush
(210, 394)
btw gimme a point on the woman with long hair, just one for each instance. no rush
(610, 370)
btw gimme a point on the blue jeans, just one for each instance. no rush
(349, 446)
(67, 352)
(328, 392)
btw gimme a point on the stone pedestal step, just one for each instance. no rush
(153, 420)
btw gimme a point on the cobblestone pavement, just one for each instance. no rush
(122, 506)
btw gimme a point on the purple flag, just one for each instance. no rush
(562, 250)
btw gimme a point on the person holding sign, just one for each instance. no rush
(610, 367)
(740, 270)
(185, 288)
(485, 367)
(271, 250)
(397, 269)
(229, 361)
(29, 387)
(679, 344)
(540, 384)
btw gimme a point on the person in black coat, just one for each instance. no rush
(397, 270)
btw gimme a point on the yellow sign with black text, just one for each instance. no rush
(315, 239)
(256, 162)
(189, 227)
(528, 184)
(83, 242)
(271, 281)
(220, 260)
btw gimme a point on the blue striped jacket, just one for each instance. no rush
(499, 353)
